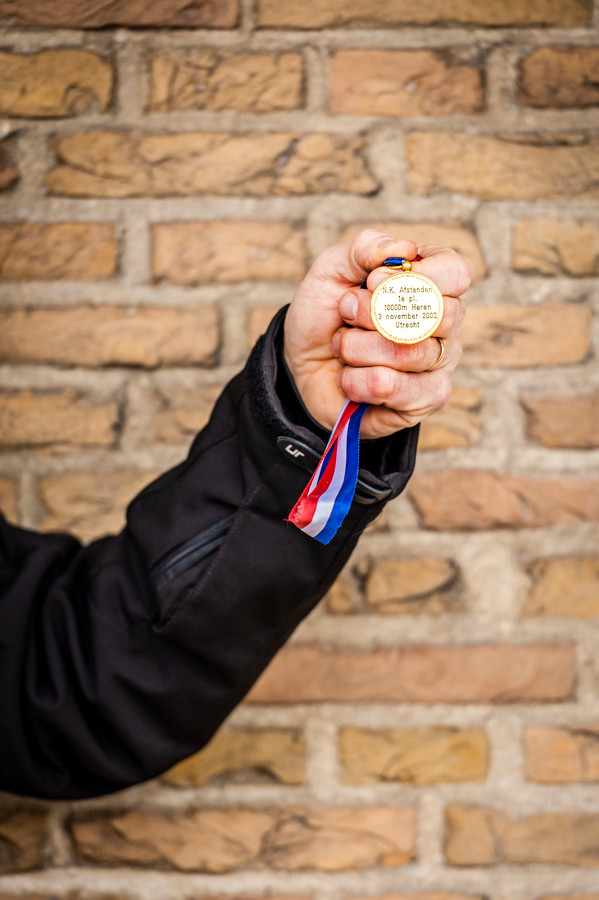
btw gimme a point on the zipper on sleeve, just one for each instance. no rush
(188, 554)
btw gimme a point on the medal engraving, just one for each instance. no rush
(406, 308)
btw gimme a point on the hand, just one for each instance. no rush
(330, 361)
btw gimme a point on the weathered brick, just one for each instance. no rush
(512, 167)
(524, 336)
(556, 755)
(315, 14)
(85, 894)
(250, 753)
(135, 13)
(560, 77)
(569, 897)
(120, 164)
(562, 420)
(434, 895)
(183, 412)
(413, 755)
(403, 83)
(9, 495)
(409, 586)
(458, 424)
(105, 336)
(9, 172)
(58, 420)
(479, 673)
(89, 505)
(64, 250)
(564, 587)
(339, 599)
(447, 234)
(22, 840)
(482, 836)
(205, 79)
(556, 246)
(190, 253)
(470, 499)
(71, 896)
(54, 83)
(223, 840)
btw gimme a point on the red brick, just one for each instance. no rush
(135, 13)
(478, 673)
(560, 77)
(565, 755)
(316, 14)
(403, 83)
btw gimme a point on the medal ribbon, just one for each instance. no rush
(326, 499)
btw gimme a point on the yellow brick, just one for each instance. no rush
(413, 755)
(54, 83)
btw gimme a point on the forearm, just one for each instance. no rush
(126, 655)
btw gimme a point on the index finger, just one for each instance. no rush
(442, 265)
(445, 267)
(351, 263)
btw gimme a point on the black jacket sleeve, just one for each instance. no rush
(122, 657)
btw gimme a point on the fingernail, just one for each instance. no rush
(386, 242)
(348, 306)
(336, 344)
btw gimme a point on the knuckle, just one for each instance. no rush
(346, 346)
(381, 383)
(461, 274)
(441, 391)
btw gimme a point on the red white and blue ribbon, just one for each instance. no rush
(328, 495)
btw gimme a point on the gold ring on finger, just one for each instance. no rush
(440, 357)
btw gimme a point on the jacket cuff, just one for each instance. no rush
(386, 464)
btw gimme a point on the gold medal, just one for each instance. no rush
(406, 307)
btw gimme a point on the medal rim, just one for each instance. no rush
(422, 337)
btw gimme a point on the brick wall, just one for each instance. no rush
(167, 171)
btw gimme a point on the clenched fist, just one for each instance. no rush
(334, 352)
